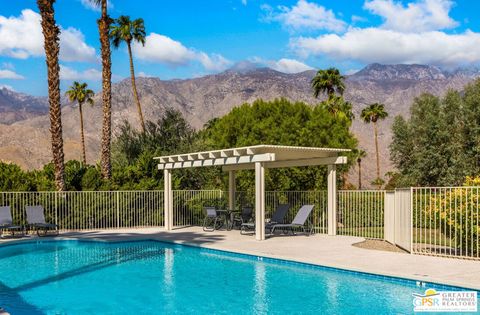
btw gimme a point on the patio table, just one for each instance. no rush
(228, 215)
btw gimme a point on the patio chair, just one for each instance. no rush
(6, 222)
(213, 220)
(244, 217)
(36, 220)
(298, 222)
(277, 217)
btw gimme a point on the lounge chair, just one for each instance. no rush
(36, 220)
(6, 222)
(244, 217)
(277, 217)
(213, 220)
(298, 222)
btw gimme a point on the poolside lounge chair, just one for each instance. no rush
(244, 217)
(213, 220)
(6, 222)
(36, 220)
(277, 217)
(298, 222)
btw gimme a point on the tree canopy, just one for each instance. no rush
(275, 122)
(285, 123)
(439, 144)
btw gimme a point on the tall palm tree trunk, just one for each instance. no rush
(82, 135)
(103, 28)
(376, 148)
(134, 87)
(52, 48)
(359, 163)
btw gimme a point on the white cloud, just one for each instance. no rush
(213, 62)
(304, 16)
(73, 46)
(421, 16)
(21, 38)
(7, 87)
(385, 46)
(163, 49)
(244, 2)
(411, 33)
(358, 19)
(351, 71)
(290, 66)
(284, 65)
(67, 73)
(9, 74)
(142, 74)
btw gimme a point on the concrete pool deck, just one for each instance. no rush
(331, 251)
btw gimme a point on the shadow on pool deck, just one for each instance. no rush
(178, 236)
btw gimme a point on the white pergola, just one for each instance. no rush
(258, 158)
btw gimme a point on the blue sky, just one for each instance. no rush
(191, 38)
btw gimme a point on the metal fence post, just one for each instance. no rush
(56, 209)
(118, 209)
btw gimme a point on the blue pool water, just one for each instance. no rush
(148, 277)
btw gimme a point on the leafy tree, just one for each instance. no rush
(13, 178)
(371, 114)
(133, 153)
(125, 30)
(79, 93)
(51, 33)
(286, 123)
(435, 146)
(104, 30)
(328, 81)
(461, 225)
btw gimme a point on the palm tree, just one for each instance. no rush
(371, 114)
(104, 29)
(125, 30)
(358, 155)
(336, 105)
(328, 81)
(79, 93)
(51, 34)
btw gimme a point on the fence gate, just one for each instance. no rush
(403, 219)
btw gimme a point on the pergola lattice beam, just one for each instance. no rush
(218, 161)
(293, 163)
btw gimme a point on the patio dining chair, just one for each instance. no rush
(6, 221)
(244, 216)
(213, 220)
(277, 217)
(36, 220)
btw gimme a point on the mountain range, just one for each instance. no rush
(24, 122)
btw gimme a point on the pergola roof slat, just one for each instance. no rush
(282, 155)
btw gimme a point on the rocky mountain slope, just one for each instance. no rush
(24, 137)
(17, 106)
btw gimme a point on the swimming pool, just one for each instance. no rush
(145, 277)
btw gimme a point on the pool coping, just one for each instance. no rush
(416, 281)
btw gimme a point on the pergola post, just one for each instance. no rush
(259, 201)
(231, 190)
(332, 199)
(168, 200)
